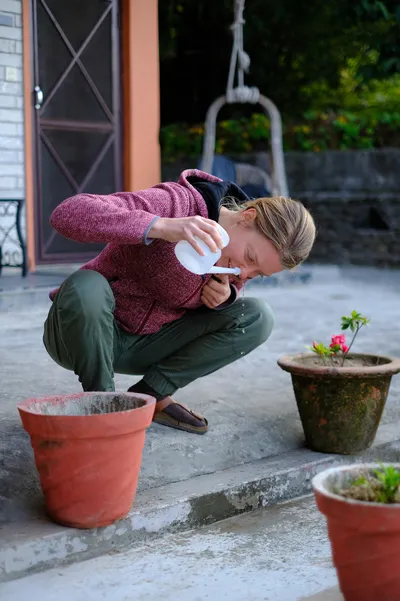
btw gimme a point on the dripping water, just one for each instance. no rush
(243, 330)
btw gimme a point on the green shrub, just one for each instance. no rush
(317, 131)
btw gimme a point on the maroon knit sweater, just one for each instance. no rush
(150, 286)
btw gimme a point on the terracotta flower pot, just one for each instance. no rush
(340, 407)
(365, 538)
(88, 451)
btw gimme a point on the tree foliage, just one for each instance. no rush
(299, 51)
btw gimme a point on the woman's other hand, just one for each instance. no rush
(216, 291)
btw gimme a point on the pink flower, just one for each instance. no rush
(344, 348)
(338, 340)
(315, 344)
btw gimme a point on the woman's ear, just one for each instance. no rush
(248, 216)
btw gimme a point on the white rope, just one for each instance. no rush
(240, 58)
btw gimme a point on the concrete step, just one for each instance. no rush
(36, 545)
(278, 553)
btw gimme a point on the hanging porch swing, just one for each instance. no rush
(254, 180)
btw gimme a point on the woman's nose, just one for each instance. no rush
(248, 272)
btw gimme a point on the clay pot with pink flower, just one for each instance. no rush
(340, 394)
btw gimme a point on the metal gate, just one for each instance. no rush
(77, 112)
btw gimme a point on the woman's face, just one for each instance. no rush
(248, 249)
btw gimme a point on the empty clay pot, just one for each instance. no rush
(88, 451)
(365, 537)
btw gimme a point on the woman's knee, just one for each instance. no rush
(261, 318)
(87, 292)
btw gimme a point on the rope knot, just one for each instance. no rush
(243, 94)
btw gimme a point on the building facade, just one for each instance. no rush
(79, 109)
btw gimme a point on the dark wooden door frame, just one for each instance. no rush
(41, 124)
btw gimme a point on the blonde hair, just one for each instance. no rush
(286, 223)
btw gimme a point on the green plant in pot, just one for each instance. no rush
(340, 395)
(362, 506)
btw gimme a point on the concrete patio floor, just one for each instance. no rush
(250, 405)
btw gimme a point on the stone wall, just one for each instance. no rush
(361, 230)
(355, 200)
(354, 197)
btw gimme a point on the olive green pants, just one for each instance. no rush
(81, 335)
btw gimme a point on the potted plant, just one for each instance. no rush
(340, 395)
(88, 451)
(362, 507)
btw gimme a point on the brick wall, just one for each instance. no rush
(12, 183)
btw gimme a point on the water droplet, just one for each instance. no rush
(243, 331)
